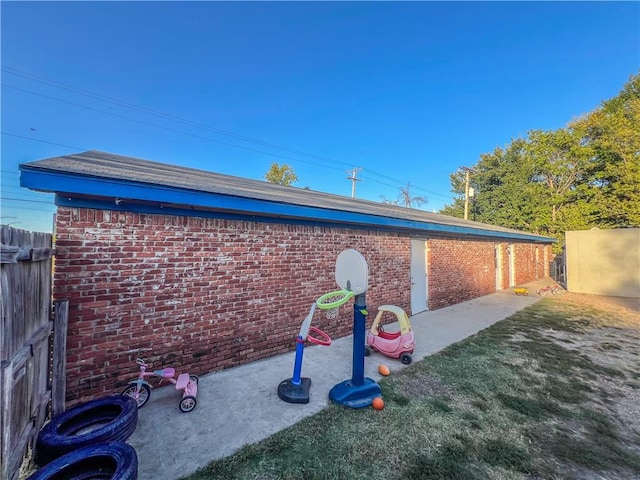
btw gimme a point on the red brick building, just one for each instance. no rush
(206, 271)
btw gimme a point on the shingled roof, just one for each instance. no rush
(95, 179)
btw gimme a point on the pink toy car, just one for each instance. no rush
(392, 344)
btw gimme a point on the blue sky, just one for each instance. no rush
(407, 91)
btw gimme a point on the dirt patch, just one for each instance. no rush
(423, 386)
(627, 310)
(611, 338)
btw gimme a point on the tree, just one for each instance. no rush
(561, 160)
(406, 199)
(502, 182)
(582, 176)
(281, 174)
(613, 133)
(531, 184)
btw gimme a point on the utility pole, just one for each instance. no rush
(353, 179)
(467, 171)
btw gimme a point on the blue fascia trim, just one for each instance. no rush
(167, 200)
(66, 201)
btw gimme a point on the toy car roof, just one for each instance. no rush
(397, 311)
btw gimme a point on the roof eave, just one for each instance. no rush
(82, 190)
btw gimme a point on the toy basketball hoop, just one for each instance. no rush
(352, 275)
(332, 300)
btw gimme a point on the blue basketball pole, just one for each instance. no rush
(359, 391)
(297, 366)
(359, 326)
(296, 389)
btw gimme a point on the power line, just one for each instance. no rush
(162, 127)
(184, 121)
(364, 178)
(32, 209)
(187, 122)
(24, 200)
(43, 141)
(431, 193)
(23, 193)
(149, 111)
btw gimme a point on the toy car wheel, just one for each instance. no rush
(143, 395)
(405, 358)
(194, 379)
(367, 351)
(114, 460)
(187, 403)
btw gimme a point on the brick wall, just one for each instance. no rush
(201, 294)
(459, 270)
(207, 294)
(529, 264)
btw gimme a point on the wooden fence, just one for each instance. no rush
(26, 326)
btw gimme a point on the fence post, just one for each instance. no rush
(59, 374)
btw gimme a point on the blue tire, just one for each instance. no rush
(106, 419)
(111, 460)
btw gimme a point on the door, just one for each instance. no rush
(418, 276)
(498, 267)
(512, 265)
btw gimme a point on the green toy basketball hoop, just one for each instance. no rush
(332, 300)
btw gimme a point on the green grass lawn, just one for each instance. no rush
(540, 395)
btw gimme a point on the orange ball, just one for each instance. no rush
(383, 370)
(378, 403)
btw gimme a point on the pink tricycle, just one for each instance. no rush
(140, 389)
(392, 344)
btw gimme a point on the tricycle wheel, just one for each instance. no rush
(143, 395)
(405, 358)
(367, 351)
(187, 403)
(194, 378)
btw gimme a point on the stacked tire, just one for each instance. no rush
(87, 441)
(107, 460)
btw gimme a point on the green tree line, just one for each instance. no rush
(582, 176)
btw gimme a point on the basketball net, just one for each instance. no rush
(332, 313)
(332, 301)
